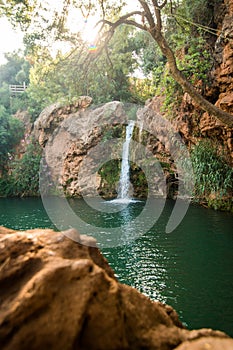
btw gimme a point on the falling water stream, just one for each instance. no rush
(124, 184)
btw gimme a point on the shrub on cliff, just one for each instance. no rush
(11, 132)
(213, 175)
(24, 178)
(26, 172)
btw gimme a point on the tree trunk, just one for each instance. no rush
(223, 116)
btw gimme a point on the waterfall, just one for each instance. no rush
(124, 183)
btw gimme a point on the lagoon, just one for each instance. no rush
(190, 268)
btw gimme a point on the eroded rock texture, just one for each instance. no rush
(58, 293)
(73, 151)
(189, 120)
(78, 147)
(222, 80)
(53, 115)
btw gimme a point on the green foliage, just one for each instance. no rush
(14, 72)
(214, 176)
(18, 11)
(11, 132)
(6, 186)
(26, 172)
(147, 51)
(198, 61)
(104, 79)
(24, 178)
(138, 180)
(15, 64)
(112, 133)
(5, 96)
(201, 11)
(171, 91)
(195, 61)
(110, 172)
(110, 175)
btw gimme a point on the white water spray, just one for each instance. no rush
(124, 183)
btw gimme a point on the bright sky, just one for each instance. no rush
(10, 40)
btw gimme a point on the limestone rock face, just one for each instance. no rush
(76, 137)
(223, 81)
(58, 293)
(87, 139)
(224, 68)
(53, 115)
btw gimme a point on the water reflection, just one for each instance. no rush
(112, 223)
(190, 268)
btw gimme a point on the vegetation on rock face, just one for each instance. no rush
(23, 179)
(110, 175)
(213, 176)
(11, 132)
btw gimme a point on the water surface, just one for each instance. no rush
(190, 268)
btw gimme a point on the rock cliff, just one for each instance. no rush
(221, 91)
(83, 150)
(67, 146)
(59, 294)
(190, 121)
(53, 115)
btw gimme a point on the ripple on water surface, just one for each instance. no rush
(190, 268)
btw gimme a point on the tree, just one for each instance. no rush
(15, 71)
(104, 78)
(150, 19)
(149, 16)
(25, 173)
(11, 132)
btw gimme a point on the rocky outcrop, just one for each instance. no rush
(222, 81)
(82, 155)
(53, 115)
(60, 293)
(188, 119)
(73, 152)
(223, 73)
(191, 122)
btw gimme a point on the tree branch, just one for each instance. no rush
(102, 8)
(121, 19)
(148, 13)
(163, 5)
(135, 24)
(156, 33)
(223, 116)
(157, 15)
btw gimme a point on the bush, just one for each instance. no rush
(24, 178)
(11, 132)
(214, 176)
